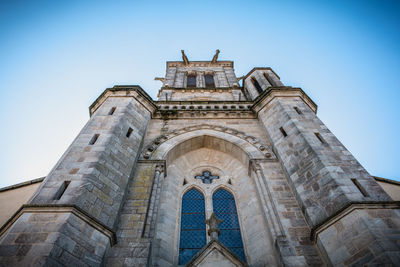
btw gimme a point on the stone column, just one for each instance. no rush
(153, 201)
(341, 202)
(71, 219)
(283, 243)
(200, 80)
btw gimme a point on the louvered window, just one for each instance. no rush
(191, 81)
(209, 80)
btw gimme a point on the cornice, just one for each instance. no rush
(268, 95)
(260, 68)
(208, 89)
(346, 210)
(181, 64)
(134, 91)
(61, 208)
(16, 186)
(386, 180)
(199, 89)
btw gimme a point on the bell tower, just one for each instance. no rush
(200, 81)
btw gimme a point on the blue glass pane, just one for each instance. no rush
(193, 227)
(224, 208)
(239, 252)
(186, 255)
(192, 239)
(230, 238)
(222, 193)
(230, 221)
(193, 194)
(193, 221)
(193, 206)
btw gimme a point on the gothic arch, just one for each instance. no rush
(252, 146)
(235, 153)
(190, 187)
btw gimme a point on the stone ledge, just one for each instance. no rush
(260, 68)
(347, 209)
(283, 91)
(222, 63)
(124, 91)
(60, 208)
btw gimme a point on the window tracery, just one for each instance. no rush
(193, 235)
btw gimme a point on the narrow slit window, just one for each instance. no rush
(320, 138)
(62, 189)
(283, 132)
(94, 139)
(297, 110)
(191, 81)
(112, 110)
(209, 80)
(360, 188)
(269, 80)
(130, 130)
(256, 85)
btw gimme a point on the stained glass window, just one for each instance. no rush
(193, 227)
(225, 209)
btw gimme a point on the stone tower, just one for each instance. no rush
(137, 184)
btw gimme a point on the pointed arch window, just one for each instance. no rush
(225, 209)
(193, 227)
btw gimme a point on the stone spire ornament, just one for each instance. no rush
(213, 224)
(215, 58)
(185, 58)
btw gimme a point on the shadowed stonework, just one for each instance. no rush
(139, 181)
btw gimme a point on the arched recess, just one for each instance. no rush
(254, 147)
(187, 155)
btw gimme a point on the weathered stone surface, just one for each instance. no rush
(114, 198)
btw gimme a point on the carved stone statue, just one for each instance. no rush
(214, 60)
(184, 57)
(213, 224)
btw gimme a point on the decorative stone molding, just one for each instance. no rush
(209, 72)
(258, 144)
(172, 64)
(191, 72)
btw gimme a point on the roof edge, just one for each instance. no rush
(29, 182)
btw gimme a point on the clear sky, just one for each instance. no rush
(56, 57)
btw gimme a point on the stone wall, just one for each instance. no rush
(324, 176)
(89, 180)
(137, 217)
(52, 238)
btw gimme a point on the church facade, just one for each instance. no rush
(211, 174)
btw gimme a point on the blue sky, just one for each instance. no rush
(56, 57)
